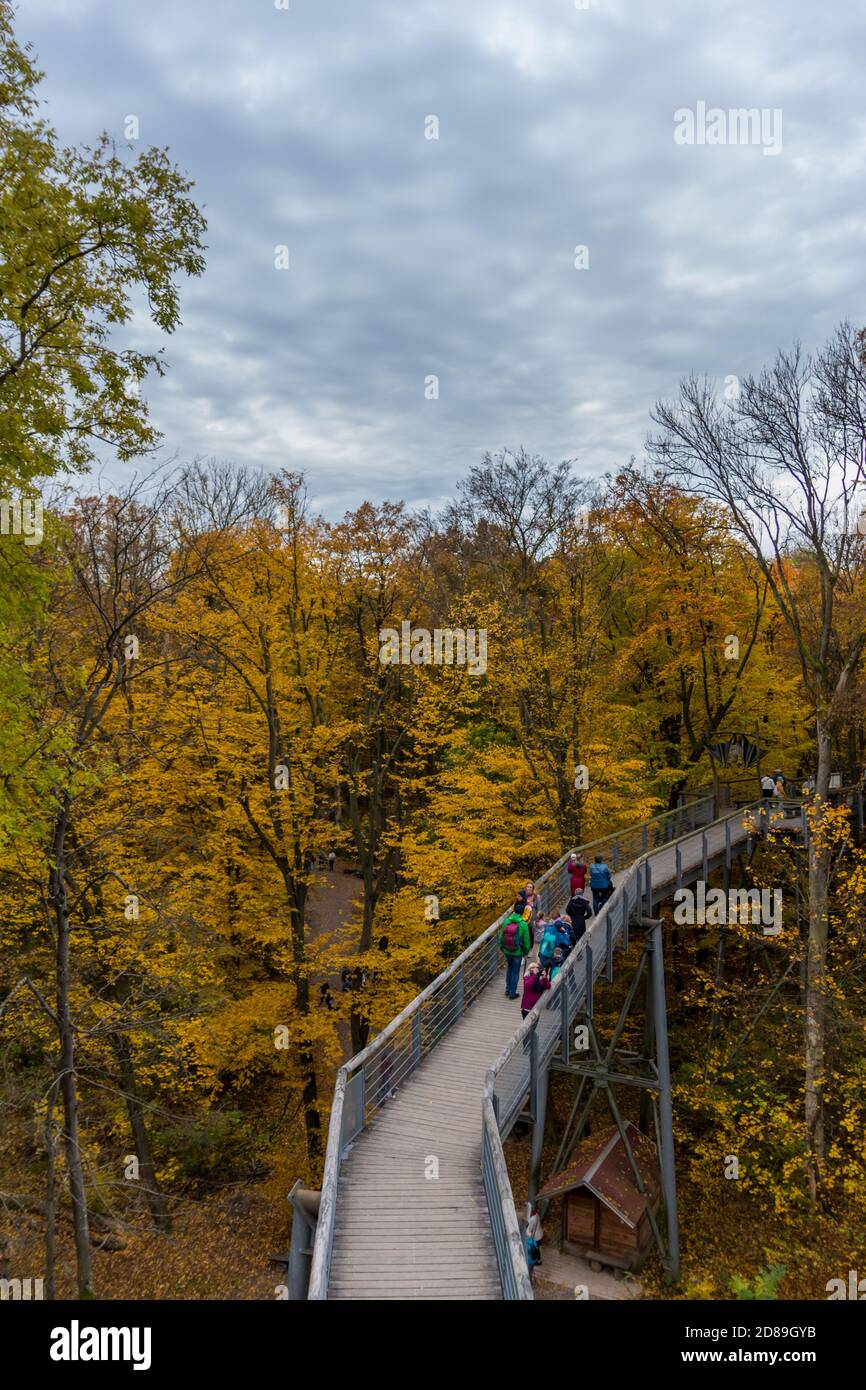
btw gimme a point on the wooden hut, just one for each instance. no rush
(605, 1217)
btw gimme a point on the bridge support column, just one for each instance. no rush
(645, 1120)
(666, 1115)
(601, 1073)
(305, 1213)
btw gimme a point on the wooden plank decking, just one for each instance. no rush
(401, 1234)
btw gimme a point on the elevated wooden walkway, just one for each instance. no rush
(404, 1212)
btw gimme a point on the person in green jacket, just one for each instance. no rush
(514, 943)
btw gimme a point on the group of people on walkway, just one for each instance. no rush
(541, 946)
(773, 785)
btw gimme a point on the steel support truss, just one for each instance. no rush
(600, 1073)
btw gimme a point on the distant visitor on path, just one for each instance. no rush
(576, 874)
(534, 1236)
(577, 912)
(768, 786)
(514, 943)
(601, 883)
(332, 859)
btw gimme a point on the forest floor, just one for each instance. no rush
(332, 902)
(223, 1241)
(219, 1248)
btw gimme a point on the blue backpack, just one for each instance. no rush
(548, 946)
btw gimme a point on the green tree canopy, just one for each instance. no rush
(83, 233)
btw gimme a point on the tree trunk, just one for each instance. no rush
(50, 1191)
(297, 895)
(66, 1060)
(816, 963)
(359, 1025)
(135, 1110)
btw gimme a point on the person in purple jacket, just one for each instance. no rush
(535, 982)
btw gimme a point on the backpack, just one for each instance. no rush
(547, 947)
(511, 936)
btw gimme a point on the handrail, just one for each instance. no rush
(586, 940)
(511, 1257)
(322, 1248)
(513, 1270)
(395, 1065)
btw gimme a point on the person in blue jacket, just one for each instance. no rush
(601, 883)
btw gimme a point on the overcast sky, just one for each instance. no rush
(411, 257)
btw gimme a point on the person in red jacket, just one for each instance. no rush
(535, 982)
(576, 875)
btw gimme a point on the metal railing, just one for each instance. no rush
(369, 1079)
(549, 1025)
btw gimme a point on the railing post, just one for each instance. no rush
(416, 1038)
(533, 1075)
(648, 888)
(728, 844)
(563, 1020)
(608, 927)
(588, 989)
(644, 840)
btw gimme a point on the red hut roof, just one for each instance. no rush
(601, 1165)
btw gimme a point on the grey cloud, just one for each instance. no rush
(454, 257)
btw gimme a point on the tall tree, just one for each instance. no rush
(81, 232)
(786, 461)
(533, 547)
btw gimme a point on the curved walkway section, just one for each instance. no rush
(416, 1202)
